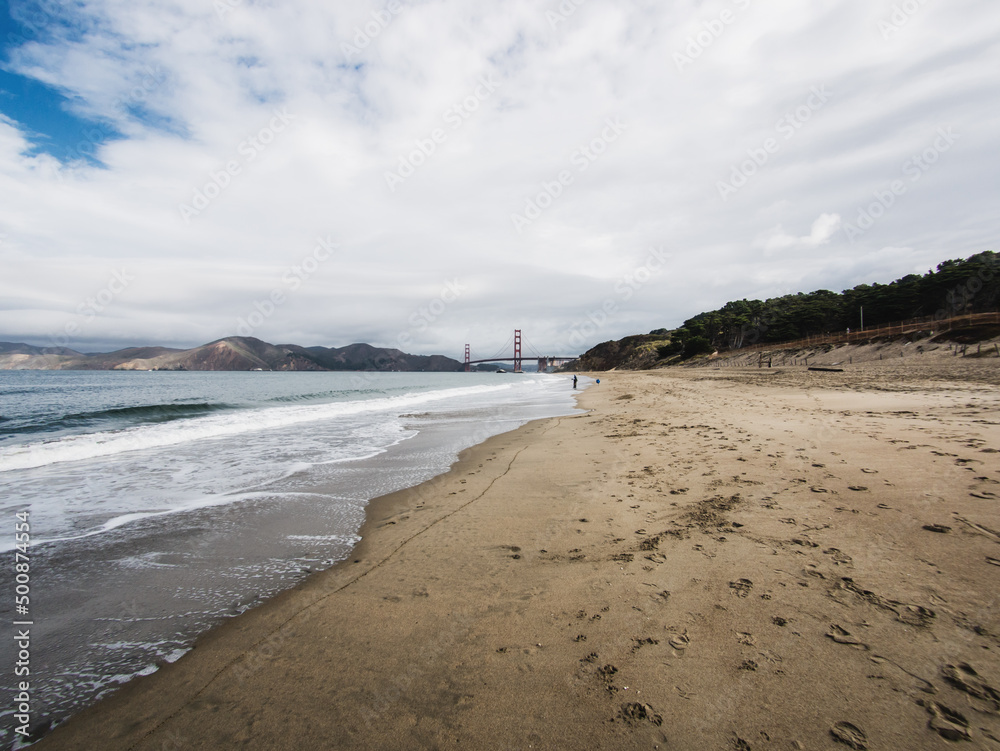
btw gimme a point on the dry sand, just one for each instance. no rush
(708, 559)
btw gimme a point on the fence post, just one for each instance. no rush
(880, 330)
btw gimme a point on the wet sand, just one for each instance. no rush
(708, 559)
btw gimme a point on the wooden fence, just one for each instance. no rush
(930, 324)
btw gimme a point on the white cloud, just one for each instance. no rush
(777, 239)
(204, 85)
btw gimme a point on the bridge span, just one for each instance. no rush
(517, 357)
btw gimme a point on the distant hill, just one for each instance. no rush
(11, 348)
(367, 357)
(638, 352)
(231, 353)
(955, 288)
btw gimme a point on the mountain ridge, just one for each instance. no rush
(226, 354)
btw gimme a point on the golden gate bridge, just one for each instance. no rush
(544, 361)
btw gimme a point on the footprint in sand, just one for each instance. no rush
(948, 723)
(804, 543)
(839, 556)
(634, 712)
(940, 528)
(640, 643)
(850, 735)
(680, 641)
(741, 587)
(606, 674)
(843, 636)
(650, 543)
(965, 678)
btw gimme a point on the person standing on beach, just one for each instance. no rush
(574, 381)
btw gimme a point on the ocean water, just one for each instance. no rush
(160, 503)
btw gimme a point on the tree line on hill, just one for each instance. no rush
(955, 287)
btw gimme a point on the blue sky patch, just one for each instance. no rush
(42, 112)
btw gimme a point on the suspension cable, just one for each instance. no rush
(534, 352)
(503, 350)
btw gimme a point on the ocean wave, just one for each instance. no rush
(320, 395)
(209, 426)
(152, 412)
(144, 413)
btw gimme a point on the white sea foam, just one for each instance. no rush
(109, 443)
(120, 521)
(190, 505)
(349, 539)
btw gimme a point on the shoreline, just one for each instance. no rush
(701, 560)
(116, 604)
(257, 631)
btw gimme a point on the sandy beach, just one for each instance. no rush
(720, 559)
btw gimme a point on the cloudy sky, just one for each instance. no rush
(426, 173)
